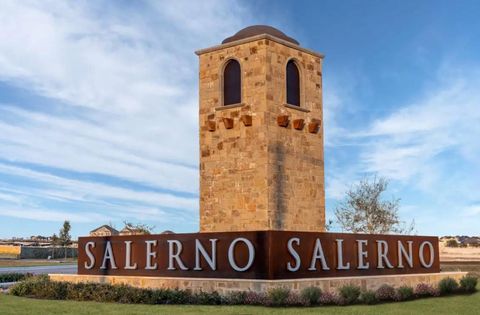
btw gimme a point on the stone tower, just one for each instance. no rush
(261, 134)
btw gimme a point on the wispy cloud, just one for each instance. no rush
(118, 82)
(429, 149)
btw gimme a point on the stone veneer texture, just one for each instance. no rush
(263, 176)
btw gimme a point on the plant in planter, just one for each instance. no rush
(313, 126)
(282, 120)
(405, 293)
(468, 284)
(212, 125)
(246, 119)
(228, 122)
(298, 124)
(350, 293)
(385, 293)
(447, 286)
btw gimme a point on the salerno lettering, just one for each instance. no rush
(244, 254)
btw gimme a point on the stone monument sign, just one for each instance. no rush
(262, 196)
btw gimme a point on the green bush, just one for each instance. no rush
(468, 284)
(236, 298)
(278, 296)
(447, 286)
(350, 293)
(14, 277)
(405, 293)
(207, 298)
(311, 295)
(368, 297)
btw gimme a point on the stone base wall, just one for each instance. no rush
(224, 286)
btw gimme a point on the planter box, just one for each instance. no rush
(212, 125)
(246, 119)
(228, 122)
(282, 120)
(313, 127)
(298, 124)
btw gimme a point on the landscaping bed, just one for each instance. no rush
(43, 288)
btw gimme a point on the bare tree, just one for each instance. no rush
(144, 228)
(364, 211)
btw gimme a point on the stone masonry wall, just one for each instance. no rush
(295, 160)
(260, 176)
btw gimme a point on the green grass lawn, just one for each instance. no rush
(463, 304)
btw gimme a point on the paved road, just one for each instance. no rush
(42, 269)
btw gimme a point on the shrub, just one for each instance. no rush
(295, 299)
(447, 286)
(405, 293)
(368, 297)
(468, 284)
(327, 298)
(425, 290)
(385, 293)
(350, 293)
(278, 296)
(311, 295)
(14, 277)
(207, 298)
(41, 287)
(236, 298)
(254, 298)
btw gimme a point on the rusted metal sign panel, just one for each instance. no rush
(258, 255)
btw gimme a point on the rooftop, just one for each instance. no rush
(259, 30)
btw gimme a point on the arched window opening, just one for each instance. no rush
(232, 83)
(293, 84)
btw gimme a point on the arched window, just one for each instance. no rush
(293, 84)
(232, 83)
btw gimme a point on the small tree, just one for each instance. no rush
(64, 236)
(54, 241)
(363, 210)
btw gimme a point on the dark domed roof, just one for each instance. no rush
(258, 30)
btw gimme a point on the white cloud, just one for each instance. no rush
(428, 148)
(52, 215)
(119, 81)
(407, 142)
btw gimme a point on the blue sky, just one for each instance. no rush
(98, 106)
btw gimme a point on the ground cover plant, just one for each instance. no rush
(43, 288)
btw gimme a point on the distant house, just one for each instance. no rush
(128, 230)
(104, 230)
(40, 238)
